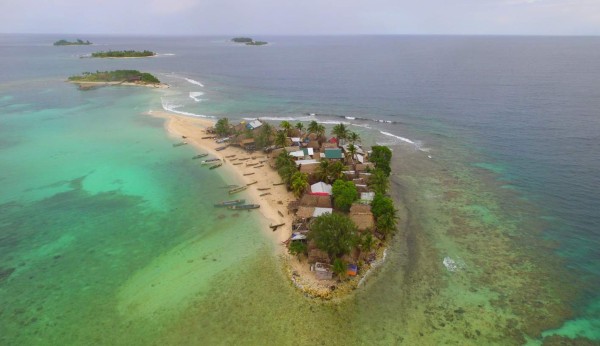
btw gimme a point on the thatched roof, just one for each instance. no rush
(316, 255)
(316, 201)
(360, 208)
(329, 145)
(313, 144)
(305, 212)
(309, 169)
(363, 221)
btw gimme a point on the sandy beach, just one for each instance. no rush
(273, 206)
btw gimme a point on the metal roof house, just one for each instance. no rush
(254, 124)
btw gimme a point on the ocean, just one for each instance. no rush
(108, 234)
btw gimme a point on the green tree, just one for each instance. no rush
(378, 181)
(353, 137)
(386, 223)
(222, 127)
(264, 137)
(320, 131)
(281, 139)
(339, 267)
(285, 125)
(298, 183)
(299, 126)
(344, 193)
(382, 205)
(340, 131)
(336, 170)
(381, 156)
(351, 151)
(298, 248)
(284, 159)
(367, 242)
(312, 127)
(333, 233)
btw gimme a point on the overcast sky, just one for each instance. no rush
(301, 17)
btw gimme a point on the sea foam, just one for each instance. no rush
(195, 95)
(195, 82)
(173, 108)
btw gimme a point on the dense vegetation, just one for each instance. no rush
(123, 54)
(344, 194)
(77, 42)
(334, 233)
(242, 39)
(248, 41)
(222, 127)
(116, 76)
(382, 156)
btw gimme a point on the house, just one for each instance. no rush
(312, 212)
(362, 217)
(310, 168)
(321, 188)
(248, 144)
(315, 201)
(322, 271)
(254, 124)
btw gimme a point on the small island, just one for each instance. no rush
(248, 41)
(123, 54)
(77, 42)
(91, 80)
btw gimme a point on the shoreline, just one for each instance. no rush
(91, 85)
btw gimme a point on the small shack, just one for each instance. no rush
(322, 271)
(321, 189)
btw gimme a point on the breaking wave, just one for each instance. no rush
(169, 107)
(195, 82)
(195, 95)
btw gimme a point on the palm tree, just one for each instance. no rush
(284, 159)
(340, 131)
(352, 151)
(298, 183)
(300, 127)
(378, 181)
(287, 172)
(322, 172)
(386, 223)
(335, 171)
(313, 126)
(320, 131)
(354, 137)
(281, 138)
(286, 126)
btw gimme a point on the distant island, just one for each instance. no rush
(78, 42)
(91, 80)
(123, 54)
(248, 41)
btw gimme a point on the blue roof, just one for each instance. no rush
(333, 153)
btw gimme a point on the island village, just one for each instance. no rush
(341, 216)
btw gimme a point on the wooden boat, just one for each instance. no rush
(244, 159)
(244, 206)
(199, 156)
(216, 166)
(277, 184)
(248, 173)
(237, 189)
(208, 137)
(252, 183)
(264, 194)
(274, 227)
(251, 164)
(206, 162)
(239, 163)
(180, 144)
(229, 186)
(263, 188)
(230, 156)
(221, 148)
(259, 166)
(230, 203)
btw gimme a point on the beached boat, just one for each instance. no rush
(237, 189)
(239, 163)
(199, 156)
(216, 166)
(248, 173)
(244, 206)
(222, 140)
(209, 161)
(179, 144)
(228, 156)
(221, 148)
(263, 188)
(229, 186)
(230, 203)
(252, 183)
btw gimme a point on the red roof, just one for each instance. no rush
(333, 140)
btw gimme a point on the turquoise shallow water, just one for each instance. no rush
(108, 234)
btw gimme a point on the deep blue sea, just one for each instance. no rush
(497, 164)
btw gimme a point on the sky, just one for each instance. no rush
(302, 17)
